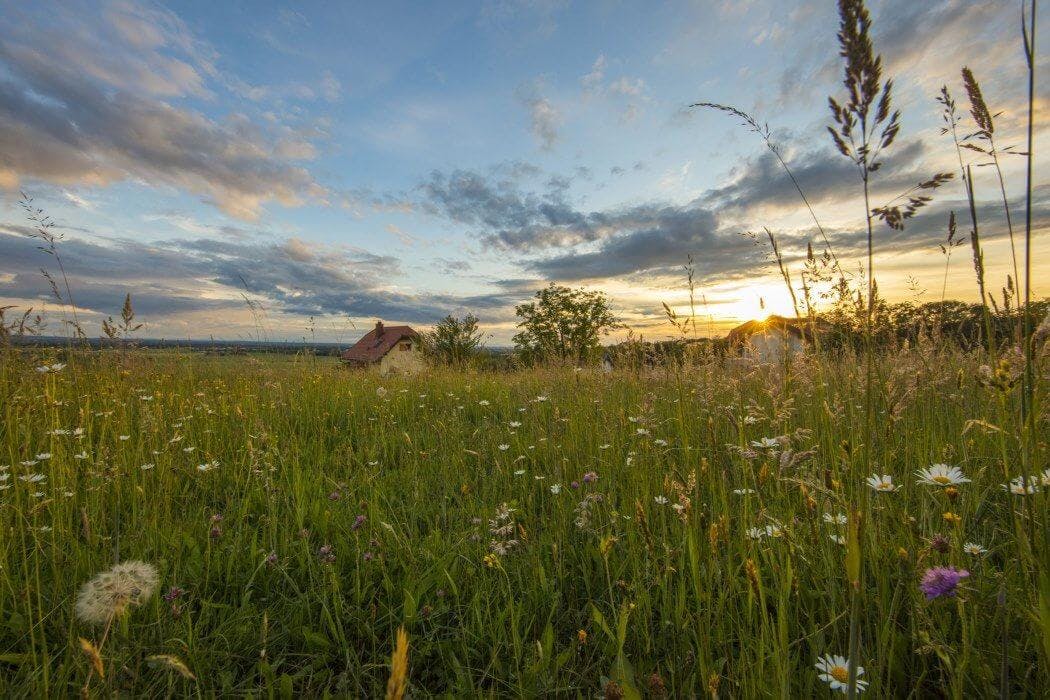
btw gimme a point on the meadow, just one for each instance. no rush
(708, 530)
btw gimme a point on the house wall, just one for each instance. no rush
(770, 345)
(399, 361)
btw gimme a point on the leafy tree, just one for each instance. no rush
(453, 341)
(563, 324)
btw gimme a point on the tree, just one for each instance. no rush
(563, 324)
(453, 341)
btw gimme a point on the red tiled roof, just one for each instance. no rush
(376, 343)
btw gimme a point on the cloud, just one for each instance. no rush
(550, 236)
(88, 108)
(167, 278)
(544, 118)
(592, 81)
(406, 239)
(647, 237)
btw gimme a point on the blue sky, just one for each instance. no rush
(409, 160)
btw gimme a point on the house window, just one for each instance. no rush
(406, 346)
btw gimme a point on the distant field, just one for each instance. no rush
(535, 533)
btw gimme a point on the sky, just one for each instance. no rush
(258, 170)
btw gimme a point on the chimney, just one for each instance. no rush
(379, 329)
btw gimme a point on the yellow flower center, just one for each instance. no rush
(839, 673)
(942, 479)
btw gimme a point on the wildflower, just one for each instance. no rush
(1018, 487)
(326, 554)
(757, 533)
(834, 670)
(43, 456)
(490, 560)
(334, 496)
(766, 443)
(941, 581)
(271, 559)
(504, 447)
(660, 443)
(837, 539)
(81, 455)
(882, 484)
(359, 521)
(743, 492)
(581, 636)
(124, 438)
(483, 402)
(574, 485)
(50, 369)
(641, 431)
(519, 472)
(147, 467)
(839, 519)
(515, 424)
(33, 478)
(113, 592)
(941, 475)
(1045, 479)
(951, 518)
(939, 543)
(590, 477)
(660, 500)
(974, 549)
(380, 392)
(555, 489)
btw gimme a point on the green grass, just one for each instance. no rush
(304, 446)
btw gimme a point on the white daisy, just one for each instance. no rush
(1019, 487)
(834, 670)
(941, 475)
(882, 484)
(504, 447)
(660, 500)
(839, 519)
(974, 549)
(555, 489)
(766, 443)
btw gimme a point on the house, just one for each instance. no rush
(772, 339)
(387, 349)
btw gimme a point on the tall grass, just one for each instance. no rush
(290, 591)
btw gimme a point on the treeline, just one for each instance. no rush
(566, 326)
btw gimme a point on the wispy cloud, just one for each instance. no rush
(84, 104)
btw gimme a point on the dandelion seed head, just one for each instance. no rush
(111, 593)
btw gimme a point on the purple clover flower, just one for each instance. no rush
(590, 477)
(174, 594)
(941, 581)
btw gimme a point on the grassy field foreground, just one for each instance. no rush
(543, 532)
